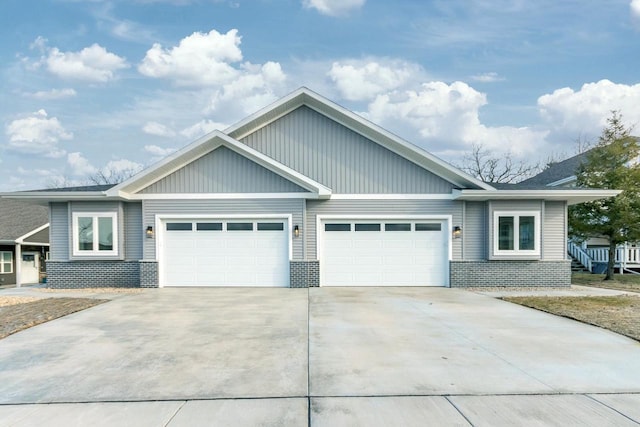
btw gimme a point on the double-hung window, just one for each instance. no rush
(6, 262)
(95, 234)
(516, 233)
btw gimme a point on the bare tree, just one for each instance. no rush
(482, 164)
(583, 144)
(60, 182)
(111, 175)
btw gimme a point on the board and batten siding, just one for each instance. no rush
(474, 231)
(250, 207)
(380, 208)
(223, 171)
(555, 231)
(340, 158)
(133, 231)
(59, 231)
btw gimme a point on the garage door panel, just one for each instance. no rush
(385, 258)
(221, 257)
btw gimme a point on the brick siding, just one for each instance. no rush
(510, 273)
(304, 274)
(148, 274)
(93, 274)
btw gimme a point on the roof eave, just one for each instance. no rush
(572, 197)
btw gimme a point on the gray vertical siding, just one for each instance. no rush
(382, 208)
(223, 171)
(340, 158)
(554, 231)
(475, 231)
(133, 231)
(59, 231)
(250, 207)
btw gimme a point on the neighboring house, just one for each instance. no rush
(306, 193)
(24, 242)
(559, 174)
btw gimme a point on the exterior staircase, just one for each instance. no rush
(577, 267)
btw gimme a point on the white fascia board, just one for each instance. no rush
(55, 195)
(362, 126)
(376, 196)
(218, 196)
(563, 181)
(571, 196)
(21, 239)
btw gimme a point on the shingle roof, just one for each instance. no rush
(104, 187)
(557, 171)
(19, 218)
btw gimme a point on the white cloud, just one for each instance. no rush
(333, 7)
(121, 165)
(201, 128)
(635, 8)
(158, 151)
(359, 80)
(585, 111)
(447, 118)
(92, 64)
(158, 129)
(200, 59)
(255, 88)
(80, 165)
(52, 94)
(37, 134)
(488, 77)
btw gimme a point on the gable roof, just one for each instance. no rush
(19, 219)
(358, 124)
(560, 173)
(201, 147)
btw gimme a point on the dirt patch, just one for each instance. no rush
(17, 317)
(12, 300)
(620, 313)
(625, 282)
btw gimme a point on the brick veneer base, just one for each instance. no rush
(304, 274)
(510, 273)
(93, 274)
(148, 274)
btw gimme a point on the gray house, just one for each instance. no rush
(24, 242)
(306, 193)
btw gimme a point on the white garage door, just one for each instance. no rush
(384, 253)
(225, 252)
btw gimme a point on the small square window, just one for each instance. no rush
(6, 262)
(516, 233)
(95, 234)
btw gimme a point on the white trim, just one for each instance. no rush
(161, 219)
(376, 196)
(10, 262)
(562, 181)
(209, 196)
(537, 242)
(36, 243)
(76, 252)
(447, 220)
(31, 233)
(572, 196)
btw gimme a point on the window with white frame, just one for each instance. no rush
(6, 262)
(95, 234)
(516, 233)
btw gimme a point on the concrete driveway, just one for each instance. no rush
(327, 356)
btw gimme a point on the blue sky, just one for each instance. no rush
(91, 86)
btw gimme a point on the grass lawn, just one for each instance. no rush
(625, 282)
(619, 313)
(19, 313)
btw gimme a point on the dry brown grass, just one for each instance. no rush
(620, 313)
(17, 317)
(625, 282)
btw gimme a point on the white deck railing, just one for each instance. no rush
(578, 253)
(625, 256)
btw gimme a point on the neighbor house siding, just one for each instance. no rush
(133, 231)
(250, 207)
(380, 208)
(59, 231)
(223, 171)
(340, 158)
(9, 278)
(554, 231)
(474, 231)
(41, 236)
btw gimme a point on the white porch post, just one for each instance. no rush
(18, 262)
